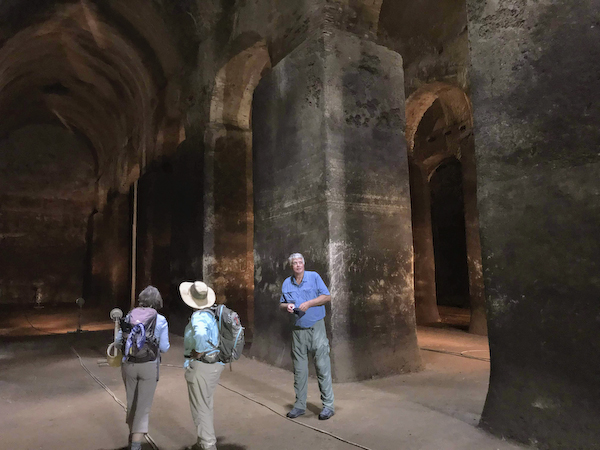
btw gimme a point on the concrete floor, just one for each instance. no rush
(49, 401)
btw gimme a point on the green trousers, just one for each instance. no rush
(311, 340)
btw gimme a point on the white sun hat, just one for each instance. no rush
(197, 294)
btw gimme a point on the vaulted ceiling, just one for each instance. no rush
(107, 73)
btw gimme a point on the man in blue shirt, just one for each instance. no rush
(304, 294)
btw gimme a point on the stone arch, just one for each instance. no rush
(231, 102)
(228, 207)
(451, 124)
(454, 101)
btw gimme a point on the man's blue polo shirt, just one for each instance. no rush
(310, 287)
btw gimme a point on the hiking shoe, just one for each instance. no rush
(295, 412)
(195, 447)
(326, 413)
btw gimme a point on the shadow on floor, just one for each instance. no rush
(223, 445)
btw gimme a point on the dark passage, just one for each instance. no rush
(448, 226)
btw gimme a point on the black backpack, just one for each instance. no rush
(140, 342)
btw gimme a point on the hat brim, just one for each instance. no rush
(184, 291)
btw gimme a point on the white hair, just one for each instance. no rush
(294, 256)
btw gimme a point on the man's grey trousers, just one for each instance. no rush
(202, 380)
(311, 340)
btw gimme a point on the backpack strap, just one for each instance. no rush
(138, 333)
(220, 315)
(212, 313)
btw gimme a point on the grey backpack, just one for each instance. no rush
(231, 333)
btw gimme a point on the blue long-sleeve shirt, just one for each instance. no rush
(310, 287)
(201, 334)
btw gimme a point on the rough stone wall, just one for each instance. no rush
(47, 188)
(432, 38)
(536, 96)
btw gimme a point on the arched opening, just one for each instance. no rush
(228, 193)
(449, 244)
(448, 278)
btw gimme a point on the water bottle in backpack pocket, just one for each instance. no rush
(140, 342)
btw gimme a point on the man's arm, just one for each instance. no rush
(284, 305)
(320, 300)
(289, 307)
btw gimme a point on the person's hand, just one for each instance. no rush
(290, 308)
(304, 306)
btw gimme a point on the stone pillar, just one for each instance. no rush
(478, 323)
(228, 218)
(331, 181)
(186, 226)
(536, 97)
(111, 253)
(425, 296)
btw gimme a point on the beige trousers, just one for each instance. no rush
(202, 380)
(140, 383)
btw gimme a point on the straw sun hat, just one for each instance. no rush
(197, 294)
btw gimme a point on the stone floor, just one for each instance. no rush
(56, 393)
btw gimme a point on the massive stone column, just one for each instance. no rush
(478, 323)
(536, 97)
(228, 217)
(331, 181)
(425, 297)
(186, 226)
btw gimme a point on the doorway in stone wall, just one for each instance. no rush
(447, 253)
(449, 244)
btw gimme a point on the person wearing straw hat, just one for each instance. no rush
(202, 366)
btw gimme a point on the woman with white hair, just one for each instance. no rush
(146, 336)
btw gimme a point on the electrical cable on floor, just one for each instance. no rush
(112, 394)
(46, 333)
(281, 415)
(445, 352)
(298, 422)
(155, 447)
(319, 430)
